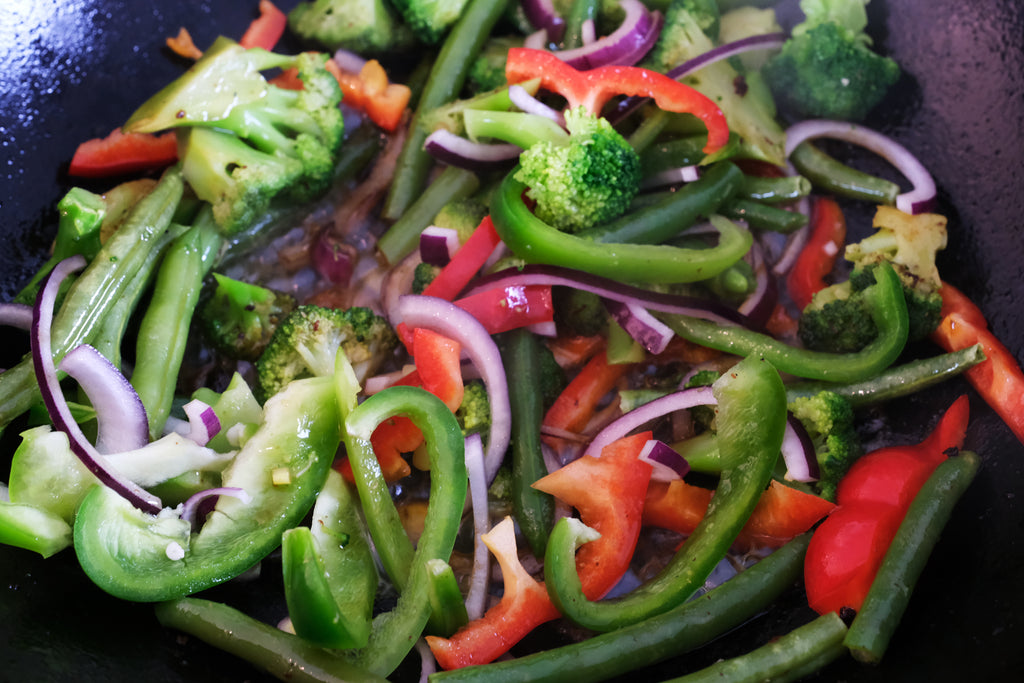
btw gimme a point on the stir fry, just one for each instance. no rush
(563, 331)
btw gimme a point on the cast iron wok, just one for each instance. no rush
(74, 69)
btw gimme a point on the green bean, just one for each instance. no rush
(763, 217)
(401, 238)
(820, 639)
(773, 190)
(659, 638)
(669, 154)
(580, 12)
(534, 510)
(829, 174)
(887, 599)
(446, 79)
(163, 331)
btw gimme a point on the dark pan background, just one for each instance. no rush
(75, 69)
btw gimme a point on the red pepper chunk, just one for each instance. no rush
(608, 492)
(593, 88)
(846, 551)
(122, 153)
(266, 29)
(818, 257)
(465, 263)
(577, 402)
(507, 308)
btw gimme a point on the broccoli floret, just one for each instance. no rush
(239, 317)
(422, 275)
(743, 22)
(306, 342)
(462, 215)
(474, 413)
(579, 312)
(430, 19)
(244, 141)
(837, 319)
(363, 26)
(487, 71)
(826, 68)
(828, 419)
(689, 24)
(589, 179)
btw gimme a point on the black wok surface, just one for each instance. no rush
(75, 69)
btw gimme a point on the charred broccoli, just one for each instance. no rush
(239, 317)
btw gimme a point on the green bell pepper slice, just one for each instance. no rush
(128, 553)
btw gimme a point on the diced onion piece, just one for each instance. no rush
(626, 45)
(281, 476)
(190, 510)
(203, 421)
(798, 453)
(919, 200)
(667, 464)
(455, 150)
(349, 61)
(648, 331)
(437, 245)
(672, 176)
(659, 407)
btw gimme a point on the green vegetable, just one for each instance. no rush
(827, 69)
(487, 71)
(239, 318)
(446, 602)
(462, 214)
(762, 217)
(908, 553)
(829, 174)
(363, 26)
(33, 528)
(751, 421)
(690, 25)
(828, 419)
(430, 19)
(307, 340)
(128, 553)
(474, 413)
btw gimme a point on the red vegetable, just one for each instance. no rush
(592, 89)
(575, 405)
(999, 378)
(370, 91)
(467, 261)
(266, 29)
(506, 308)
(815, 262)
(123, 153)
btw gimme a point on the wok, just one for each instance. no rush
(74, 69)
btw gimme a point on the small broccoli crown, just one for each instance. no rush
(487, 71)
(362, 26)
(829, 421)
(828, 71)
(423, 275)
(430, 19)
(590, 179)
(462, 215)
(239, 317)
(690, 26)
(306, 342)
(474, 413)
(837, 320)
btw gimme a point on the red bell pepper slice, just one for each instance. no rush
(818, 257)
(608, 492)
(524, 605)
(123, 153)
(999, 378)
(846, 551)
(371, 92)
(593, 88)
(507, 308)
(576, 404)
(266, 29)
(781, 514)
(465, 263)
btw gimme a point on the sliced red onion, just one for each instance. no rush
(666, 462)
(437, 245)
(798, 452)
(796, 241)
(203, 421)
(476, 597)
(542, 16)
(672, 176)
(57, 407)
(679, 400)
(190, 509)
(16, 315)
(919, 200)
(455, 150)
(333, 259)
(531, 105)
(764, 41)
(120, 415)
(349, 61)
(761, 302)
(588, 32)
(538, 40)
(428, 665)
(648, 331)
(626, 45)
(453, 322)
(538, 274)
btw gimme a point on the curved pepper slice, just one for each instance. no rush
(593, 88)
(816, 260)
(128, 553)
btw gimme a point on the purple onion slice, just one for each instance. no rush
(626, 45)
(666, 463)
(648, 331)
(16, 315)
(437, 245)
(798, 452)
(679, 400)
(455, 150)
(203, 421)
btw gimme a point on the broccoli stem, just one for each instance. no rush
(163, 331)
(763, 217)
(447, 77)
(829, 174)
(97, 289)
(401, 238)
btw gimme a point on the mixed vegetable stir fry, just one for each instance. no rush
(559, 330)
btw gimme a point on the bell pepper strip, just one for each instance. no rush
(266, 29)
(608, 492)
(888, 309)
(330, 578)
(524, 605)
(818, 257)
(183, 46)
(922, 525)
(130, 554)
(535, 241)
(394, 633)
(465, 263)
(593, 88)
(123, 153)
(33, 528)
(576, 404)
(751, 422)
(507, 308)
(999, 378)
(448, 607)
(848, 547)
(781, 514)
